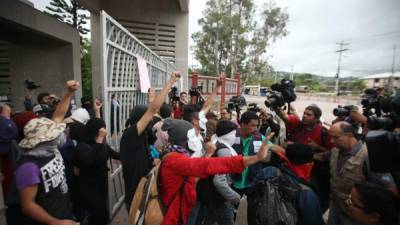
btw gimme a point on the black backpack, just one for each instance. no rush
(207, 194)
(273, 202)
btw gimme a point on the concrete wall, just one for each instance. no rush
(48, 66)
(154, 11)
(41, 48)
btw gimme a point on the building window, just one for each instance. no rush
(376, 80)
(396, 78)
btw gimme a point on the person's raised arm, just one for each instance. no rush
(62, 108)
(211, 98)
(282, 114)
(97, 107)
(155, 105)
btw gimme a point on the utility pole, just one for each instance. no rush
(390, 81)
(341, 49)
(291, 75)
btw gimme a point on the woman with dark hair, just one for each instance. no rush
(371, 204)
(91, 173)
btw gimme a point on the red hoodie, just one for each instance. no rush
(176, 167)
(301, 170)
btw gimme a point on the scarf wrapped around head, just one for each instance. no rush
(178, 149)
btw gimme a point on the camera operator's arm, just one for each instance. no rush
(211, 98)
(155, 105)
(358, 117)
(282, 114)
(62, 107)
(97, 107)
(316, 147)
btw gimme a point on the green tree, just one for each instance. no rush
(356, 85)
(232, 41)
(86, 68)
(69, 12)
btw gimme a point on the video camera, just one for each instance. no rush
(195, 91)
(381, 134)
(344, 111)
(30, 85)
(173, 94)
(234, 104)
(371, 100)
(253, 107)
(281, 93)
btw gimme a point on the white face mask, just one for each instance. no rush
(228, 138)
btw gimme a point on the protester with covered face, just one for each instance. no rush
(91, 173)
(215, 192)
(40, 175)
(134, 148)
(179, 170)
(295, 164)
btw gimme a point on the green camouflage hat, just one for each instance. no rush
(40, 130)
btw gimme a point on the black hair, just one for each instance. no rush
(182, 93)
(85, 99)
(379, 199)
(41, 96)
(346, 128)
(165, 110)
(190, 112)
(316, 110)
(248, 116)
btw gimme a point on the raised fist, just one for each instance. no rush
(175, 76)
(73, 85)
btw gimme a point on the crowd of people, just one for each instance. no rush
(221, 167)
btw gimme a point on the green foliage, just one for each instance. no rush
(69, 12)
(86, 67)
(356, 86)
(232, 41)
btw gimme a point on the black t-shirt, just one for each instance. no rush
(136, 160)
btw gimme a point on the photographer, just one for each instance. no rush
(267, 125)
(224, 114)
(183, 98)
(349, 164)
(308, 130)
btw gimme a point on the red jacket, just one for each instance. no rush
(301, 134)
(176, 167)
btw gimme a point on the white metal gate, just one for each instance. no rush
(120, 78)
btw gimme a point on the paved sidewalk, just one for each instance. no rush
(121, 218)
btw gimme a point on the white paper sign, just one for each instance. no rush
(143, 74)
(257, 146)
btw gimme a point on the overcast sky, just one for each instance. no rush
(371, 27)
